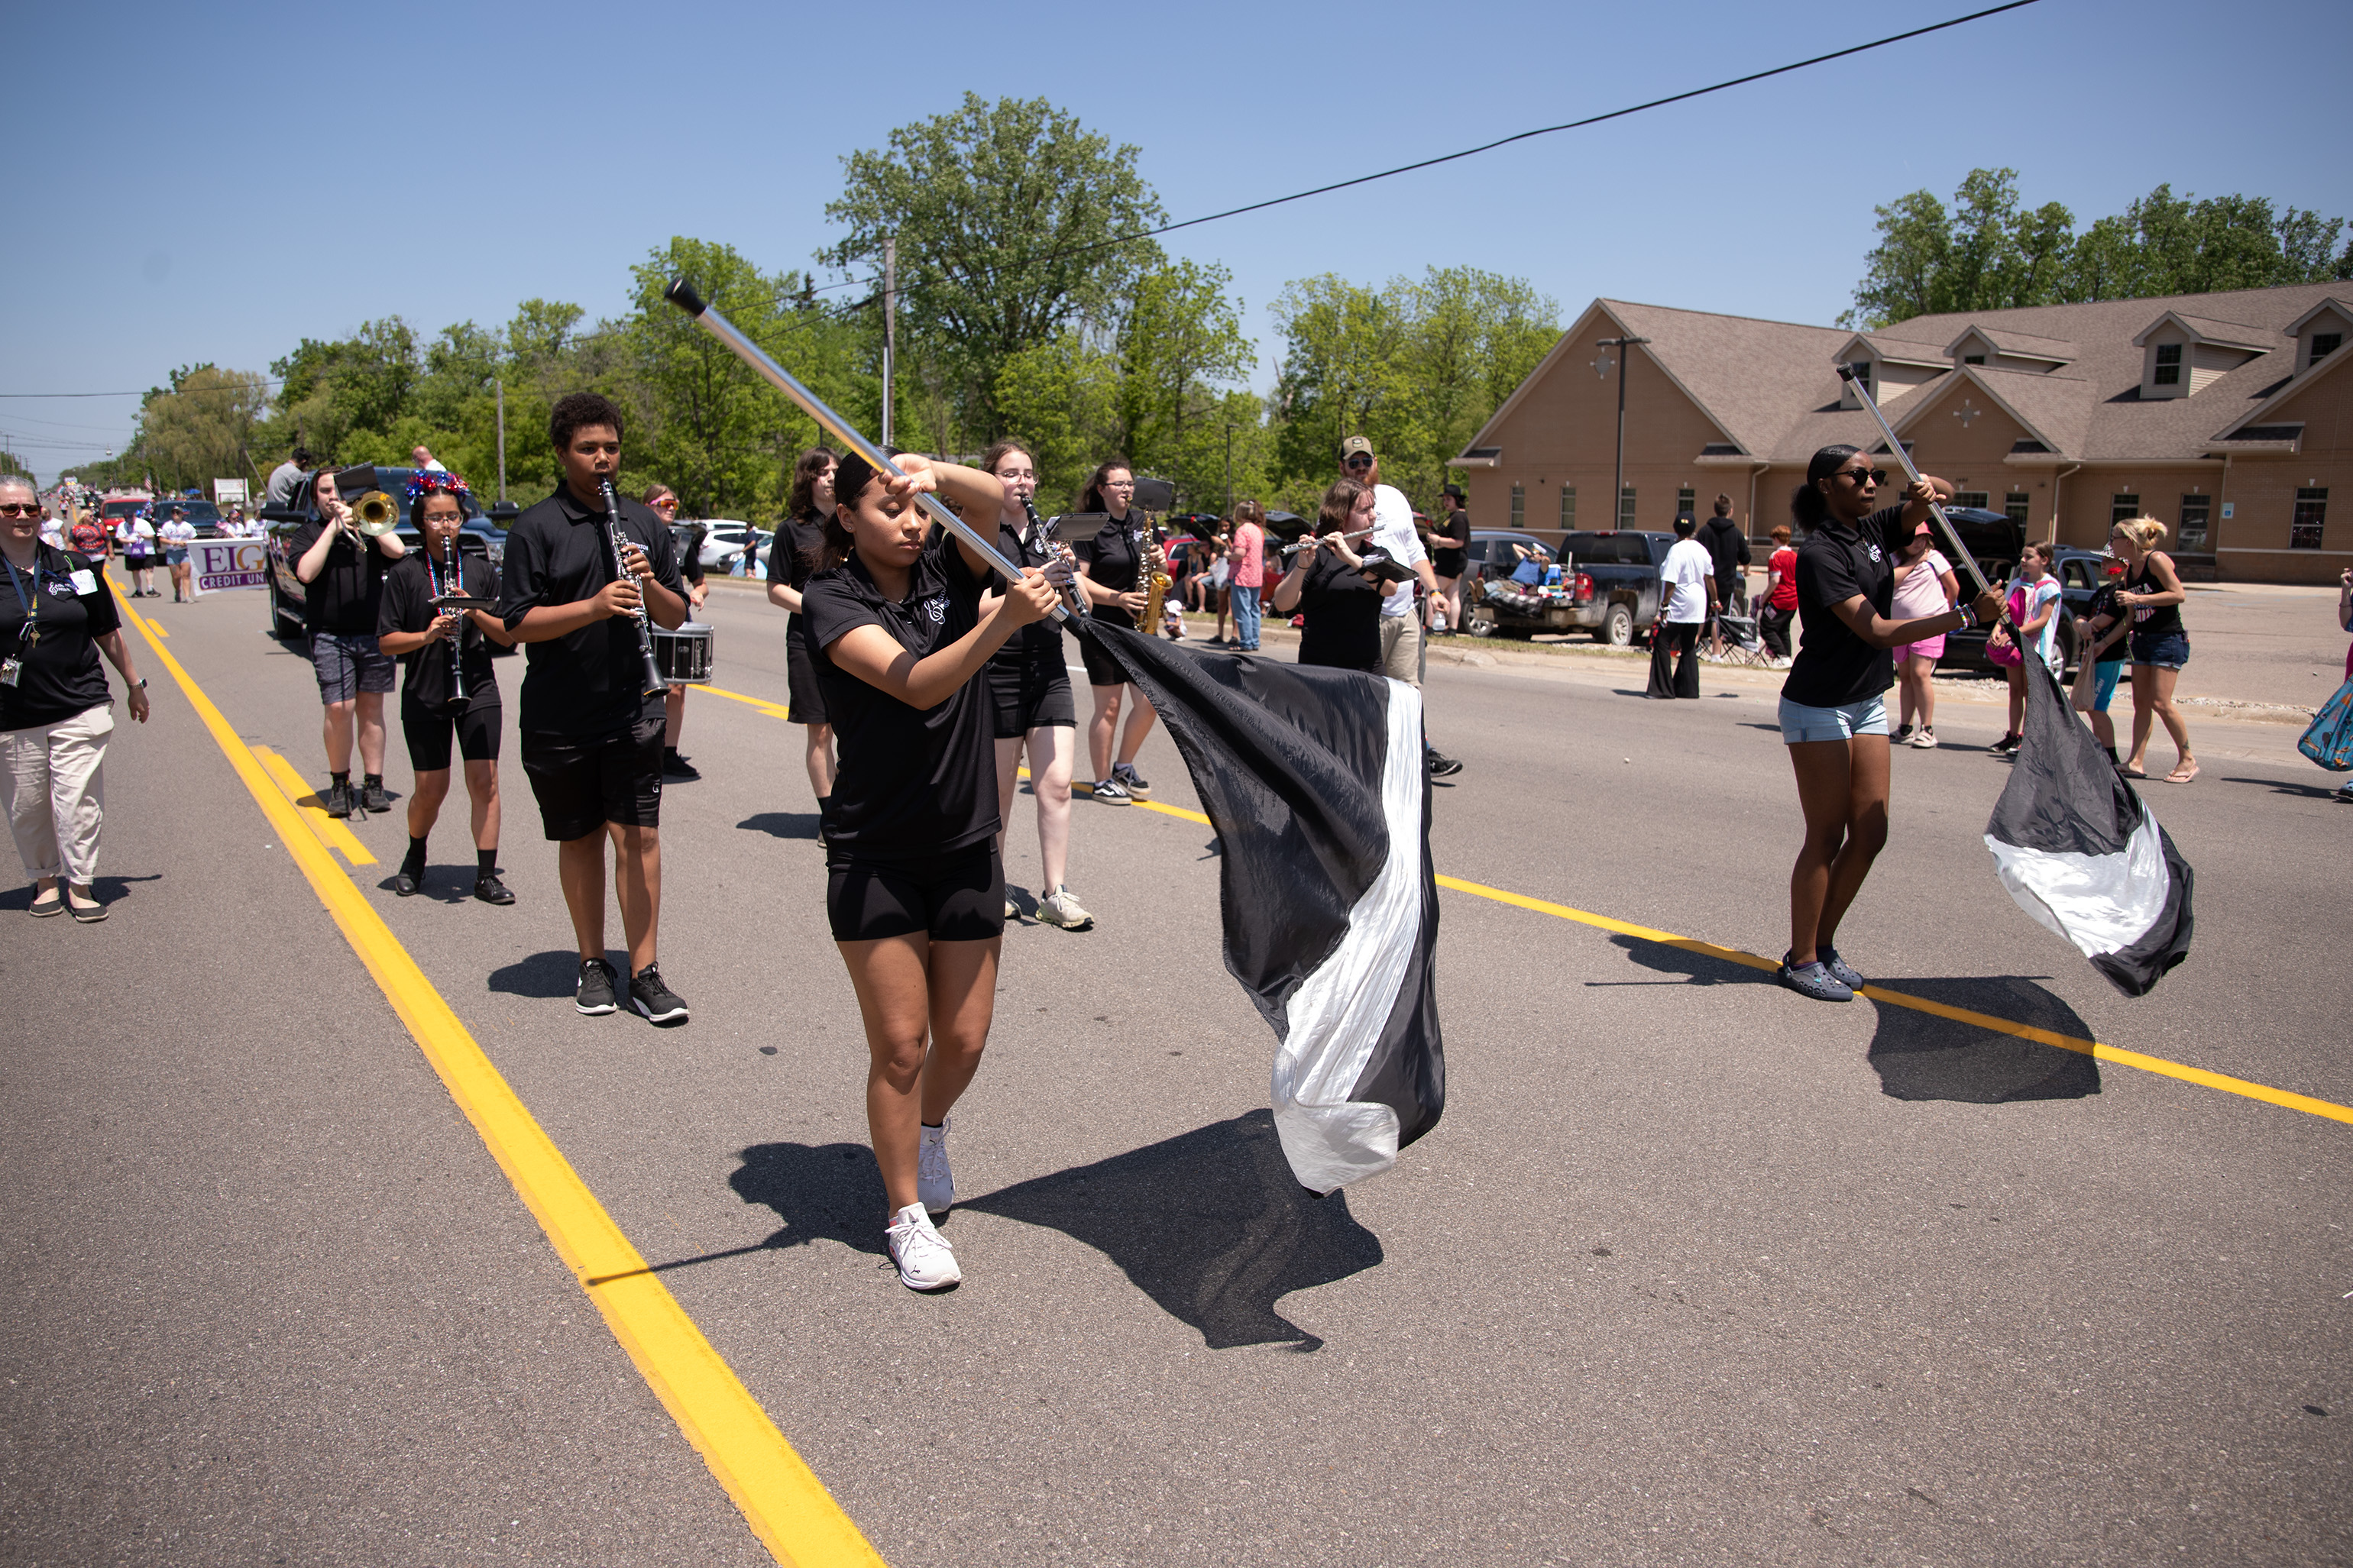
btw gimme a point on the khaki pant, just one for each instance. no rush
(1401, 648)
(53, 784)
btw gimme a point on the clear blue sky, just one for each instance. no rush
(160, 156)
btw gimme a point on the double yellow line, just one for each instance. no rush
(786, 1504)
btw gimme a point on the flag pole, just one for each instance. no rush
(681, 294)
(1967, 562)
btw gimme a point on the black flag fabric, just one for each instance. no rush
(2082, 854)
(1313, 779)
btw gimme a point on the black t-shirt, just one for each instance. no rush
(1449, 542)
(409, 589)
(347, 594)
(1112, 559)
(792, 557)
(588, 683)
(1834, 667)
(690, 537)
(1343, 617)
(72, 608)
(2103, 603)
(1040, 640)
(912, 782)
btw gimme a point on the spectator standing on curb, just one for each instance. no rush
(2034, 600)
(1448, 559)
(1687, 590)
(2160, 645)
(1393, 534)
(1780, 595)
(1925, 586)
(1250, 572)
(1727, 544)
(2100, 635)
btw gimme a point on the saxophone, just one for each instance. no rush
(1154, 577)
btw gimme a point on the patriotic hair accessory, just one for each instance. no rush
(424, 481)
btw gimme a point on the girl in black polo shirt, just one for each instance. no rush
(1326, 584)
(1112, 563)
(793, 557)
(1833, 713)
(914, 890)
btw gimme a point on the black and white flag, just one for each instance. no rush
(2081, 852)
(1313, 779)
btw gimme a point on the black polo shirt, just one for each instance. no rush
(1040, 640)
(409, 589)
(589, 683)
(793, 554)
(1834, 667)
(1343, 615)
(912, 782)
(1112, 562)
(347, 594)
(72, 608)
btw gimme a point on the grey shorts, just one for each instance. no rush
(347, 665)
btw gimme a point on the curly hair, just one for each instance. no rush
(801, 503)
(578, 410)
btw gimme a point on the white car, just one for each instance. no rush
(722, 539)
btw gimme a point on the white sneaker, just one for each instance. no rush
(1061, 907)
(934, 1187)
(1012, 909)
(1925, 738)
(925, 1260)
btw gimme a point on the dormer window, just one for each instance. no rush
(2325, 343)
(2169, 366)
(2320, 331)
(1973, 359)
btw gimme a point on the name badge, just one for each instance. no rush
(85, 581)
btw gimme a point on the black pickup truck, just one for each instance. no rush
(1609, 586)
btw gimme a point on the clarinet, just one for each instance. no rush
(653, 684)
(457, 584)
(1047, 548)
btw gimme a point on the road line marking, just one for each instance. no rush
(334, 833)
(157, 630)
(773, 709)
(782, 1500)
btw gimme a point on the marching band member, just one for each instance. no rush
(1112, 569)
(914, 888)
(792, 560)
(1031, 686)
(342, 573)
(429, 641)
(591, 738)
(1326, 584)
(662, 502)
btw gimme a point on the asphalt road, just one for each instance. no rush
(1693, 1270)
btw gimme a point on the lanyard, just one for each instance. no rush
(29, 633)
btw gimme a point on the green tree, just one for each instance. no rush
(1008, 218)
(203, 429)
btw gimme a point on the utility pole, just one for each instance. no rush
(1230, 469)
(890, 325)
(501, 387)
(1601, 367)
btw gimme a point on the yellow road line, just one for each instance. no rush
(334, 833)
(786, 1504)
(773, 709)
(157, 630)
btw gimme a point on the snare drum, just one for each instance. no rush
(684, 656)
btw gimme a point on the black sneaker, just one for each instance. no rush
(657, 1001)
(1439, 764)
(374, 799)
(1902, 735)
(491, 891)
(677, 767)
(2007, 746)
(1131, 780)
(338, 800)
(595, 996)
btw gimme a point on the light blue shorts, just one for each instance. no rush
(2104, 682)
(1800, 723)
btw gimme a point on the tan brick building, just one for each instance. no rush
(2227, 416)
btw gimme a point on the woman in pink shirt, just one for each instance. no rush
(1248, 558)
(1925, 586)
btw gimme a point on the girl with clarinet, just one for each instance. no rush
(914, 890)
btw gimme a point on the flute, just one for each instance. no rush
(653, 684)
(1311, 542)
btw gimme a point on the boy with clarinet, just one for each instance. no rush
(591, 721)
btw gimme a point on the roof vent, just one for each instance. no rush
(1719, 450)
(2266, 433)
(2026, 446)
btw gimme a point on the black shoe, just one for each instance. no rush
(338, 800)
(595, 996)
(657, 1001)
(677, 767)
(1439, 764)
(2007, 746)
(491, 891)
(373, 798)
(403, 884)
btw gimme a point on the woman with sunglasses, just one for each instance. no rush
(664, 502)
(1112, 565)
(1833, 707)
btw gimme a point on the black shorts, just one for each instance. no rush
(800, 678)
(428, 730)
(955, 897)
(1032, 694)
(1102, 668)
(580, 785)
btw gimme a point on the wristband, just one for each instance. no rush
(1968, 617)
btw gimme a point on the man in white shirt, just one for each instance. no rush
(1686, 600)
(425, 459)
(1394, 536)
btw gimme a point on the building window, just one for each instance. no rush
(2168, 365)
(2123, 508)
(2195, 511)
(1685, 502)
(1861, 369)
(2017, 505)
(1567, 508)
(2311, 512)
(2325, 343)
(1977, 499)
(1519, 506)
(1626, 507)
(1973, 359)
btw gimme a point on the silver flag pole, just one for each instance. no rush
(1952, 536)
(681, 294)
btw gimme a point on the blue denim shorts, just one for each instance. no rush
(2168, 651)
(1800, 723)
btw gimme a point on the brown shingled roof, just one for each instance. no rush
(1750, 376)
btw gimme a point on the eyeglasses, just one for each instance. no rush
(1119, 484)
(667, 503)
(1857, 475)
(19, 509)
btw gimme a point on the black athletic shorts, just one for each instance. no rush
(955, 897)
(582, 785)
(428, 730)
(1102, 668)
(1031, 694)
(800, 679)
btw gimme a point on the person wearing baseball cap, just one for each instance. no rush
(1393, 532)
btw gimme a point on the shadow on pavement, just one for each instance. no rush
(1919, 1056)
(106, 889)
(1211, 1225)
(2282, 786)
(544, 976)
(831, 1190)
(782, 823)
(1697, 968)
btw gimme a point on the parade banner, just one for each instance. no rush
(229, 563)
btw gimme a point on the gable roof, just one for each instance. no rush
(2207, 330)
(2333, 302)
(2055, 410)
(2009, 341)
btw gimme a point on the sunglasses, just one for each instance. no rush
(1359, 461)
(16, 509)
(1857, 475)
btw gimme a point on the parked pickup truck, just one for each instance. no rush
(1613, 585)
